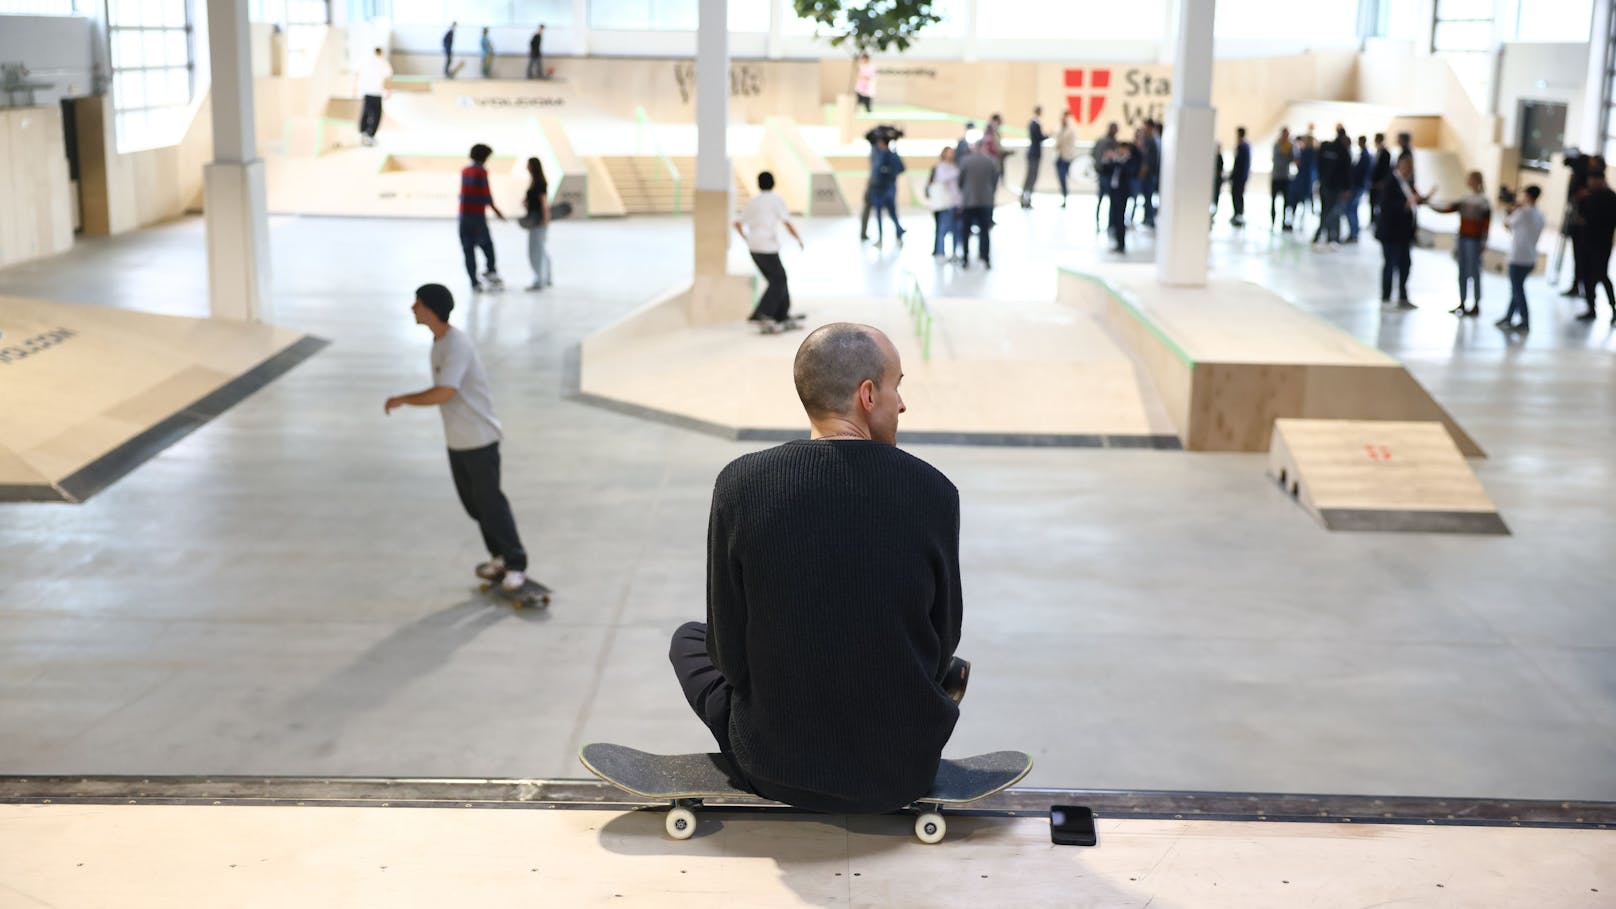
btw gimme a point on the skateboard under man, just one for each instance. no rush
(685, 780)
(531, 594)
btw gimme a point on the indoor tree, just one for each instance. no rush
(869, 26)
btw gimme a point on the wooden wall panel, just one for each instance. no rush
(36, 197)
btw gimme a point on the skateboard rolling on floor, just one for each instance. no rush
(531, 594)
(685, 780)
(789, 323)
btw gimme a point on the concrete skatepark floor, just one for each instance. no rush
(288, 590)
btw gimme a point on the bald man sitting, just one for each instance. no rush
(826, 669)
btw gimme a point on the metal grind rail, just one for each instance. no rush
(919, 311)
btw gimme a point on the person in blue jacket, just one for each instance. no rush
(885, 168)
(1363, 167)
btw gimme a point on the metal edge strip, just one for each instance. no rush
(122, 460)
(583, 794)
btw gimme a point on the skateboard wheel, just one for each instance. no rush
(681, 823)
(930, 827)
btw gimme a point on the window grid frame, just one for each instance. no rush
(121, 108)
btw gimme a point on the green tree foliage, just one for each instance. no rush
(873, 25)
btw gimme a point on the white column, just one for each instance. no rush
(1187, 148)
(714, 183)
(712, 96)
(580, 28)
(775, 46)
(973, 13)
(233, 185)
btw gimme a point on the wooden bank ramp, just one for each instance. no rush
(1380, 475)
(1231, 357)
(88, 393)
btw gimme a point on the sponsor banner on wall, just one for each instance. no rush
(1095, 93)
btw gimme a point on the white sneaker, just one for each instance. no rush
(513, 581)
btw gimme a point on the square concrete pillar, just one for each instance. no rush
(238, 241)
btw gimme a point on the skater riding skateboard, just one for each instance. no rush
(685, 781)
(530, 593)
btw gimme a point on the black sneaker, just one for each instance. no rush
(1586, 317)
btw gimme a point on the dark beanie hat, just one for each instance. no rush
(437, 298)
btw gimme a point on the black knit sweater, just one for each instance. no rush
(833, 606)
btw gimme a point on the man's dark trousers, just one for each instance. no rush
(1237, 195)
(1397, 262)
(707, 692)
(1595, 265)
(1119, 217)
(1034, 159)
(535, 67)
(775, 304)
(980, 217)
(474, 236)
(370, 118)
(476, 479)
(1517, 295)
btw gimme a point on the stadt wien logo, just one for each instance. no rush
(1086, 92)
(1132, 95)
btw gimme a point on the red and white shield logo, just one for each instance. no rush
(1086, 91)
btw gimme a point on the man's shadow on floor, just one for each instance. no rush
(411, 652)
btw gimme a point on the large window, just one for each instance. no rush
(643, 15)
(150, 45)
(1327, 21)
(38, 7)
(1553, 20)
(527, 13)
(1605, 46)
(1463, 33)
(304, 22)
(1093, 20)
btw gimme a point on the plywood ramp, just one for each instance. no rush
(137, 856)
(87, 392)
(1231, 357)
(1033, 370)
(1380, 475)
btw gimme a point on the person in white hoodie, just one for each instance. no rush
(943, 194)
(370, 84)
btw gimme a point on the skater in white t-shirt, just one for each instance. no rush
(460, 392)
(759, 226)
(370, 84)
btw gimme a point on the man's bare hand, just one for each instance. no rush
(392, 403)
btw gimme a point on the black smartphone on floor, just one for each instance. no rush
(1072, 825)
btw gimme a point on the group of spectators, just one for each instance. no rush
(961, 190)
(1129, 175)
(1328, 178)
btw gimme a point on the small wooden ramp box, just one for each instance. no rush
(1380, 475)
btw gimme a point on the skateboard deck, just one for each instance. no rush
(531, 594)
(684, 780)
